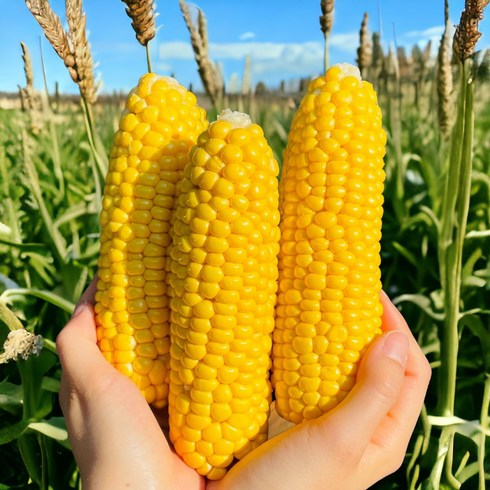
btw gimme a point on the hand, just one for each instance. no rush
(115, 437)
(362, 440)
(117, 441)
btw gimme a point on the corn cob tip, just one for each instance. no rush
(237, 119)
(348, 70)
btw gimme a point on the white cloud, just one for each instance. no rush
(347, 42)
(246, 36)
(260, 50)
(430, 33)
(176, 50)
(269, 60)
(421, 38)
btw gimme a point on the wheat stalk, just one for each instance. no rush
(142, 14)
(72, 46)
(198, 34)
(445, 77)
(467, 34)
(326, 23)
(52, 28)
(30, 100)
(365, 50)
(83, 72)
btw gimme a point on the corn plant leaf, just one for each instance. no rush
(50, 384)
(423, 302)
(39, 248)
(12, 431)
(48, 296)
(38, 402)
(10, 397)
(75, 212)
(405, 252)
(475, 324)
(55, 428)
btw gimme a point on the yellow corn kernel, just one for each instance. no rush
(331, 204)
(223, 295)
(147, 159)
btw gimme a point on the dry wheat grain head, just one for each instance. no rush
(142, 14)
(365, 50)
(467, 34)
(444, 78)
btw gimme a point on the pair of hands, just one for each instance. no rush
(118, 443)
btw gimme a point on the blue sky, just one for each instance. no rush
(282, 38)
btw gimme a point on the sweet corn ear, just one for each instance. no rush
(159, 125)
(328, 307)
(223, 285)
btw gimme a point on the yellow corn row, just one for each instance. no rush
(328, 307)
(159, 125)
(223, 285)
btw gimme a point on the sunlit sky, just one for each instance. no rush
(282, 38)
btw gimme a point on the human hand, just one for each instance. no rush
(362, 440)
(115, 436)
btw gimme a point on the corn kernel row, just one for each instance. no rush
(329, 278)
(223, 282)
(161, 121)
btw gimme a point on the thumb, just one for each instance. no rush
(378, 386)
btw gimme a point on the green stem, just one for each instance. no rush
(9, 317)
(148, 57)
(484, 423)
(99, 164)
(326, 54)
(454, 219)
(58, 242)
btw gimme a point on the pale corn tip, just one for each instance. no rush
(237, 119)
(348, 70)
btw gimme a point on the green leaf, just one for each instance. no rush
(37, 401)
(13, 431)
(10, 397)
(51, 384)
(423, 302)
(48, 296)
(39, 248)
(479, 330)
(55, 428)
(405, 252)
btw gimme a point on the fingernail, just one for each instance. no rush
(79, 308)
(395, 346)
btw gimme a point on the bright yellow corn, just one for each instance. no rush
(223, 283)
(159, 125)
(328, 307)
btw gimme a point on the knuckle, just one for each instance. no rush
(386, 387)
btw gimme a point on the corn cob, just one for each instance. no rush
(159, 125)
(328, 307)
(223, 283)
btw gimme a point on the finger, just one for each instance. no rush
(378, 386)
(80, 357)
(417, 370)
(405, 412)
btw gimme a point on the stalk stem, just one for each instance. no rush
(326, 55)
(148, 57)
(453, 230)
(454, 217)
(484, 423)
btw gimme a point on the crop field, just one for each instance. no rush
(435, 259)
